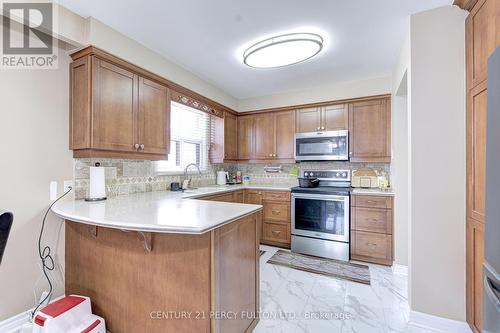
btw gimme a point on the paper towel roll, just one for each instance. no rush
(97, 187)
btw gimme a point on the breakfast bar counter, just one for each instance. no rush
(164, 261)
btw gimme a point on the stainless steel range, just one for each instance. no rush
(320, 215)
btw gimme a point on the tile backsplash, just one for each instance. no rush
(130, 176)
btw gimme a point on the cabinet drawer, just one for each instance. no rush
(371, 220)
(274, 211)
(372, 201)
(367, 244)
(276, 232)
(277, 195)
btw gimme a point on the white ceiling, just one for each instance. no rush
(362, 37)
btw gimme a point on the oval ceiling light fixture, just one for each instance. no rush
(283, 50)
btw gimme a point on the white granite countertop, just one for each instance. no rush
(373, 191)
(167, 212)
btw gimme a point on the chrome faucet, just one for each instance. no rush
(186, 175)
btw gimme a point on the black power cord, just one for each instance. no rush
(45, 256)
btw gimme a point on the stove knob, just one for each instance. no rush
(311, 174)
(344, 174)
(337, 174)
(306, 174)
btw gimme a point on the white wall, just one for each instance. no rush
(437, 162)
(400, 148)
(369, 87)
(34, 145)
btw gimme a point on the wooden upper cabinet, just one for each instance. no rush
(284, 134)
(114, 107)
(476, 152)
(230, 137)
(116, 113)
(308, 120)
(335, 117)
(153, 117)
(370, 131)
(263, 136)
(245, 137)
(482, 38)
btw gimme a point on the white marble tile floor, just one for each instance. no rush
(294, 301)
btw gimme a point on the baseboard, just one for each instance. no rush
(400, 269)
(438, 324)
(13, 323)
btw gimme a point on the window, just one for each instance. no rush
(189, 140)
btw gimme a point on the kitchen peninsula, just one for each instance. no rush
(165, 262)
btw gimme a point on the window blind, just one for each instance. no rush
(189, 140)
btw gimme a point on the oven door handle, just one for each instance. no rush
(321, 197)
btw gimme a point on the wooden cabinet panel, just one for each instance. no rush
(154, 117)
(308, 120)
(245, 137)
(264, 136)
(278, 212)
(230, 137)
(483, 37)
(80, 116)
(285, 133)
(372, 201)
(335, 117)
(216, 150)
(276, 232)
(376, 247)
(115, 105)
(475, 258)
(239, 196)
(372, 220)
(370, 131)
(476, 152)
(253, 197)
(224, 197)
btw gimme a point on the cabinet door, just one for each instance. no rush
(476, 152)
(253, 197)
(475, 258)
(334, 117)
(370, 131)
(308, 120)
(154, 117)
(284, 132)
(263, 136)
(230, 137)
(115, 103)
(245, 137)
(483, 36)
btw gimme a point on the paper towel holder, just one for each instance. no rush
(99, 198)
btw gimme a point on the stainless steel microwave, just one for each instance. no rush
(322, 146)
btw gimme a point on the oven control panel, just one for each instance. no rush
(339, 175)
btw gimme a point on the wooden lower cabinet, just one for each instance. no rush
(371, 229)
(275, 217)
(474, 259)
(133, 288)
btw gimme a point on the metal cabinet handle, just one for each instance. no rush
(371, 244)
(136, 146)
(318, 128)
(276, 232)
(142, 146)
(370, 201)
(323, 127)
(350, 153)
(276, 211)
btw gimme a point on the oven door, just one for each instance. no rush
(321, 216)
(318, 146)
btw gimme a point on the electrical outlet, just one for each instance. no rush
(68, 184)
(53, 190)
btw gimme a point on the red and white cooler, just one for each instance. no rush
(71, 314)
